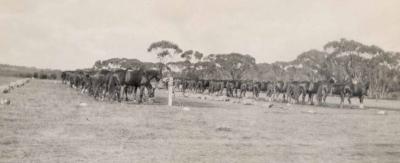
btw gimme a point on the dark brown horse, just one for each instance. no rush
(153, 78)
(99, 83)
(349, 90)
(294, 90)
(280, 87)
(135, 79)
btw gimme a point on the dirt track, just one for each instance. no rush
(45, 123)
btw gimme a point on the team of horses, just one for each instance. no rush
(116, 84)
(289, 91)
(113, 84)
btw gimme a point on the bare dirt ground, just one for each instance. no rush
(45, 123)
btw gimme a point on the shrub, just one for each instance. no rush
(53, 76)
(36, 75)
(43, 76)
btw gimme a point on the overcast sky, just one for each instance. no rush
(68, 34)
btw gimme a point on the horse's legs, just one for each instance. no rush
(82, 90)
(95, 92)
(348, 99)
(269, 94)
(319, 99)
(134, 92)
(326, 95)
(361, 102)
(274, 95)
(141, 94)
(120, 93)
(109, 94)
(288, 97)
(284, 97)
(311, 98)
(104, 94)
(294, 98)
(126, 93)
(341, 100)
(236, 93)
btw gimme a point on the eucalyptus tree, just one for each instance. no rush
(163, 50)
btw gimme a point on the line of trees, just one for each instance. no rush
(43, 75)
(345, 60)
(39, 75)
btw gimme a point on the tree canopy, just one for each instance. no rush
(235, 64)
(164, 48)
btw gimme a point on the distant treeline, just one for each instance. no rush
(28, 72)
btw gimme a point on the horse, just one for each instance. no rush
(99, 83)
(141, 79)
(349, 90)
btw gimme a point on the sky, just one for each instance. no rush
(70, 34)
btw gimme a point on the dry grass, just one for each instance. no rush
(7, 80)
(45, 123)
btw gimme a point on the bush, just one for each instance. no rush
(53, 76)
(43, 76)
(36, 75)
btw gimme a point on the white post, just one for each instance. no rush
(170, 88)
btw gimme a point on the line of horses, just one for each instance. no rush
(289, 91)
(113, 84)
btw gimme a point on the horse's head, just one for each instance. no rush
(151, 90)
(153, 75)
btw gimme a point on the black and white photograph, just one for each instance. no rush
(213, 81)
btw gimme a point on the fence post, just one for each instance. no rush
(170, 89)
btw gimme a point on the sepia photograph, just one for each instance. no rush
(213, 81)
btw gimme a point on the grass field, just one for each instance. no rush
(7, 80)
(45, 123)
